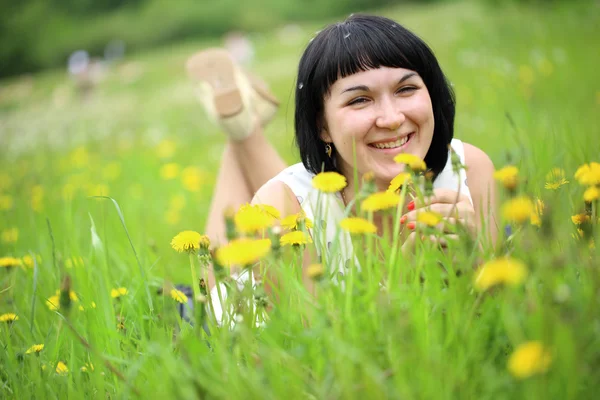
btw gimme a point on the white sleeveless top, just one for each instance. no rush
(299, 180)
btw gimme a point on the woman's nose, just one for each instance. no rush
(390, 115)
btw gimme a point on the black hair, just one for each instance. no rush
(361, 43)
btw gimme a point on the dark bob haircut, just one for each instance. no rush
(361, 43)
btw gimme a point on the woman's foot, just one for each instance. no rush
(231, 98)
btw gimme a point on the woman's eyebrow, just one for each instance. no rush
(365, 88)
(362, 88)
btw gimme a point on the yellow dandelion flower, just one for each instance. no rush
(315, 271)
(53, 302)
(36, 348)
(74, 262)
(535, 218)
(189, 241)
(529, 359)
(578, 235)
(500, 271)
(588, 174)
(579, 219)
(118, 292)
(243, 251)
(61, 368)
(28, 260)
(111, 171)
(9, 317)
(10, 235)
(6, 202)
(88, 367)
(329, 182)
(508, 176)
(252, 219)
(380, 201)
(591, 194)
(429, 218)
(555, 179)
(518, 210)
(179, 296)
(293, 221)
(368, 176)
(169, 171)
(192, 178)
(72, 295)
(415, 163)
(357, 226)
(79, 157)
(297, 238)
(272, 211)
(399, 180)
(9, 262)
(166, 148)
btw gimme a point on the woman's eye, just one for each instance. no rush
(358, 100)
(406, 89)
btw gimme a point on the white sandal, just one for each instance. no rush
(231, 98)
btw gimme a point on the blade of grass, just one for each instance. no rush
(137, 259)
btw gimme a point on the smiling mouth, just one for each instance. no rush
(393, 145)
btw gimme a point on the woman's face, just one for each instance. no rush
(385, 111)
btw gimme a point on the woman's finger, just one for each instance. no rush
(444, 196)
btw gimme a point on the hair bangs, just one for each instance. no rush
(354, 47)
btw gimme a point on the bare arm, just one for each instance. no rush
(480, 176)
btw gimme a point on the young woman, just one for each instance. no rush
(367, 90)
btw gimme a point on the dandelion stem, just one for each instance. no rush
(195, 281)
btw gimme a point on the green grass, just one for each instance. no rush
(429, 335)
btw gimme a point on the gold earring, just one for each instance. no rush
(328, 149)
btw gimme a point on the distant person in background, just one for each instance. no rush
(367, 90)
(85, 72)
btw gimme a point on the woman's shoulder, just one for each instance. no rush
(476, 159)
(280, 191)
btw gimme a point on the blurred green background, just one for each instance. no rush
(36, 34)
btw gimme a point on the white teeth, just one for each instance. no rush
(391, 145)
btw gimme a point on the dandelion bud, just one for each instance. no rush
(230, 230)
(455, 160)
(203, 287)
(315, 271)
(508, 176)
(65, 291)
(201, 299)
(220, 272)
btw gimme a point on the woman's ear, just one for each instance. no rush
(324, 133)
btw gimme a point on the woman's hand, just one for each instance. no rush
(455, 208)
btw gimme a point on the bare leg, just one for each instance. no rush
(246, 165)
(257, 158)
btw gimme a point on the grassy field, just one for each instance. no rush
(528, 94)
